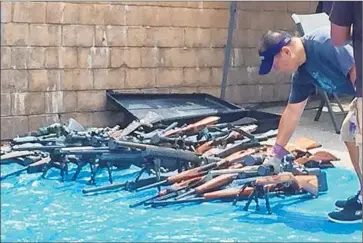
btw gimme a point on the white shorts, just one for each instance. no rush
(351, 130)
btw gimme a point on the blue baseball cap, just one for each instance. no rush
(271, 45)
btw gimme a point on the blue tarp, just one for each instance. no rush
(35, 209)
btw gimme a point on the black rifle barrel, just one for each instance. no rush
(157, 152)
(172, 202)
(104, 188)
(32, 147)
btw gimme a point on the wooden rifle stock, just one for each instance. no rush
(216, 182)
(306, 143)
(321, 156)
(308, 183)
(302, 144)
(205, 147)
(179, 186)
(194, 127)
(229, 193)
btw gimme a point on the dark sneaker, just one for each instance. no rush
(351, 214)
(340, 204)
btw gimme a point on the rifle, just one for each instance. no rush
(251, 190)
(101, 157)
(289, 166)
(160, 132)
(39, 147)
(119, 156)
(210, 185)
(148, 120)
(245, 172)
(154, 155)
(241, 122)
(177, 142)
(155, 151)
(193, 127)
(228, 193)
(184, 142)
(128, 185)
(232, 136)
(191, 173)
(34, 139)
(208, 198)
(35, 167)
(247, 143)
(224, 177)
(172, 202)
(262, 186)
(57, 154)
(171, 191)
(122, 154)
(86, 138)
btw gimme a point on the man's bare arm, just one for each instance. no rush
(289, 120)
(339, 34)
(353, 74)
(341, 21)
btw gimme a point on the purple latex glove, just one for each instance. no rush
(279, 151)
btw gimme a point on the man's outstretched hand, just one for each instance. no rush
(275, 158)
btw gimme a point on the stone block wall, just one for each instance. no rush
(58, 58)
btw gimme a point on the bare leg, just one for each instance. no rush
(359, 141)
(354, 156)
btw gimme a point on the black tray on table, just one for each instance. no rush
(185, 108)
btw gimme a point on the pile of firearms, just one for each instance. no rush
(208, 160)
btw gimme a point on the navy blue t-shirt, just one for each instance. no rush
(326, 66)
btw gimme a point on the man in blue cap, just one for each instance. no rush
(314, 61)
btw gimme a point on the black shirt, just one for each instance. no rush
(347, 14)
(324, 7)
